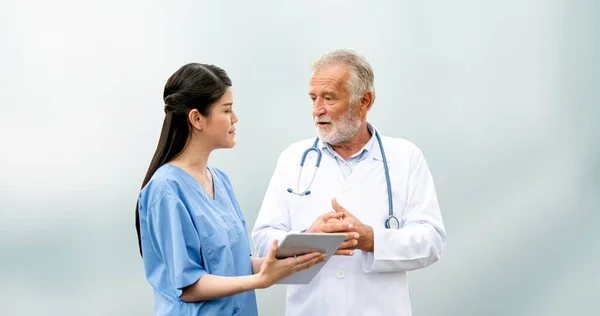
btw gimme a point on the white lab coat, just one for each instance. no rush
(366, 283)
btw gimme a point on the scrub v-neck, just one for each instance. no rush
(216, 200)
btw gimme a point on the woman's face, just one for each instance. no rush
(219, 126)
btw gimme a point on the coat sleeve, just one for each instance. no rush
(422, 237)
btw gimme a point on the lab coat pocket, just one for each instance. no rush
(400, 210)
(302, 211)
(217, 250)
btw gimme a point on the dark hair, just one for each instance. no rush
(193, 86)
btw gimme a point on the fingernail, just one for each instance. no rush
(357, 235)
(349, 225)
(352, 253)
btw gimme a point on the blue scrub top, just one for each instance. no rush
(185, 234)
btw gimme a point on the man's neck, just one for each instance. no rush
(345, 150)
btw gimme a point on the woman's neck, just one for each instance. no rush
(194, 160)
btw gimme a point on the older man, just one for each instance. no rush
(380, 185)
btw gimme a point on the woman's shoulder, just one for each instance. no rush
(162, 184)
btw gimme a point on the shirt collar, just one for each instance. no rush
(368, 148)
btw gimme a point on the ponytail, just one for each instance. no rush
(172, 141)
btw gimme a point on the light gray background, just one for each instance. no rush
(502, 97)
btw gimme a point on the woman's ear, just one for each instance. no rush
(196, 119)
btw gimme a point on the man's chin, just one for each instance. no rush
(325, 137)
(328, 140)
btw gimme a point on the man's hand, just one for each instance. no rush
(365, 240)
(330, 223)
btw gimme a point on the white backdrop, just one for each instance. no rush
(500, 95)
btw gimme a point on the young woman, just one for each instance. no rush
(191, 230)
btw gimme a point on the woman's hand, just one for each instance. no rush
(273, 269)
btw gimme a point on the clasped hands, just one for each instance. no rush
(358, 235)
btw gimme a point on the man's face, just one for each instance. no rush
(336, 120)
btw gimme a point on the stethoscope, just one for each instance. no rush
(391, 221)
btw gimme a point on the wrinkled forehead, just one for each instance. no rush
(329, 78)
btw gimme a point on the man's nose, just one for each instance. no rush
(318, 107)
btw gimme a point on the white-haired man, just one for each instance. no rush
(380, 187)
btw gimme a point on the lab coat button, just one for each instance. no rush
(340, 274)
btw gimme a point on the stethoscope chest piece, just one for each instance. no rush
(392, 223)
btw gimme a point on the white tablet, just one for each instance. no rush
(303, 243)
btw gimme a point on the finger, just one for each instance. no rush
(273, 249)
(336, 227)
(291, 261)
(344, 252)
(310, 263)
(338, 208)
(351, 236)
(333, 220)
(330, 215)
(348, 244)
(309, 256)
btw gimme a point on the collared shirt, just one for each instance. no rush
(347, 166)
(367, 283)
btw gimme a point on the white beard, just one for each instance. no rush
(341, 131)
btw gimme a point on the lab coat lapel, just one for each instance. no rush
(366, 193)
(328, 182)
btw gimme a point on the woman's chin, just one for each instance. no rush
(231, 143)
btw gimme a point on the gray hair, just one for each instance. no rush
(361, 74)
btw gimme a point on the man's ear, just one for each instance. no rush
(196, 119)
(366, 102)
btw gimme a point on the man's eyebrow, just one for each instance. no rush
(326, 93)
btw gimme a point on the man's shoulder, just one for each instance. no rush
(399, 149)
(399, 144)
